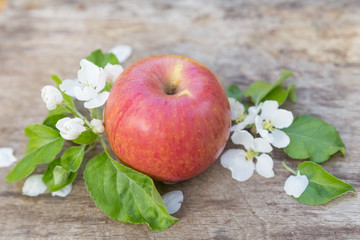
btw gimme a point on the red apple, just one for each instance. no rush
(168, 117)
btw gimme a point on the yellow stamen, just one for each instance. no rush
(240, 118)
(268, 125)
(250, 154)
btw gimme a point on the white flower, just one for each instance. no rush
(241, 163)
(51, 96)
(67, 86)
(97, 126)
(113, 72)
(270, 121)
(296, 185)
(249, 118)
(237, 110)
(88, 86)
(63, 192)
(34, 186)
(122, 52)
(7, 157)
(69, 128)
(173, 200)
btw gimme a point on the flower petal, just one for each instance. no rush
(264, 166)
(236, 107)
(122, 52)
(279, 139)
(173, 200)
(34, 186)
(97, 101)
(282, 118)
(67, 86)
(234, 160)
(258, 124)
(262, 145)
(234, 127)
(88, 74)
(7, 157)
(101, 81)
(113, 72)
(244, 138)
(85, 93)
(63, 192)
(296, 185)
(268, 108)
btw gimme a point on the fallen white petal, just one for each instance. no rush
(262, 145)
(244, 138)
(296, 185)
(264, 166)
(279, 139)
(34, 186)
(282, 118)
(268, 108)
(235, 161)
(63, 192)
(7, 157)
(122, 52)
(97, 101)
(173, 200)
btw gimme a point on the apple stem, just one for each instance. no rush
(288, 168)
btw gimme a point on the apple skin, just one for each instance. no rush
(168, 117)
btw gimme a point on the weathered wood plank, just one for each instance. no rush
(241, 41)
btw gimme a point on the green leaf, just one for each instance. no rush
(257, 91)
(313, 138)
(322, 187)
(87, 137)
(51, 120)
(234, 91)
(39, 135)
(100, 59)
(56, 79)
(56, 177)
(43, 146)
(125, 194)
(280, 95)
(72, 158)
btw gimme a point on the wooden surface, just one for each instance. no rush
(241, 41)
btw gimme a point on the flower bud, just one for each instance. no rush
(51, 96)
(97, 126)
(69, 128)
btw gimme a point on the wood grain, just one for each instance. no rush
(241, 41)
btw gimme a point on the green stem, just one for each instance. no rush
(288, 168)
(103, 144)
(90, 147)
(79, 115)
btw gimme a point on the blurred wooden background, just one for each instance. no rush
(241, 41)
